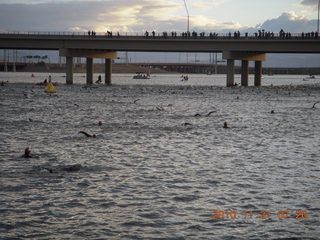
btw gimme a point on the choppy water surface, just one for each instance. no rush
(155, 170)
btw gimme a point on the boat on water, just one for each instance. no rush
(140, 75)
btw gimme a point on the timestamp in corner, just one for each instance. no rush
(260, 214)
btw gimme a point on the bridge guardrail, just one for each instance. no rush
(171, 35)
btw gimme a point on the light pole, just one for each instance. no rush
(185, 4)
(318, 16)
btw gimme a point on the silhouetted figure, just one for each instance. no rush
(99, 79)
(272, 112)
(225, 125)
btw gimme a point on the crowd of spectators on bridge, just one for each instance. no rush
(91, 33)
(260, 34)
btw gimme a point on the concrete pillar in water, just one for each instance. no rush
(15, 58)
(89, 71)
(5, 60)
(230, 72)
(244, 73)
(108, 71)
(257, 73)
(69, 66)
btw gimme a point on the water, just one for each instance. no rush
(155, 171)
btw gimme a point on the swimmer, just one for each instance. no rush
(87, 134)
(100, 123)
(225, 125)
(27, 153)
(72, 168)
(314, 105)
(209, 113)
(272, 112)
(68, 168)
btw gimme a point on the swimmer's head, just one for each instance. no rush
(100, 123)
(93, 135)
(225, 125)
(27, 151)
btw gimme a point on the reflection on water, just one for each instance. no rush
(159, 166)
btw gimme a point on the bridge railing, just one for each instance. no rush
(167, 35)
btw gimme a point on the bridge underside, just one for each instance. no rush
(231, 56)
(89, 55)
(245, 57)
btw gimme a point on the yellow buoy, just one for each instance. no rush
(50, 88)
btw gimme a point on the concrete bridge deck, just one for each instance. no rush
(295, 44)
(245, 48)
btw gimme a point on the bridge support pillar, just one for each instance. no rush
(257, 73)
(69, 73)
(5, 60)
(108, 71)
(89, 71)
(244, 73)
(258, 57)
(230, 72)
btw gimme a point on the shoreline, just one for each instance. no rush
(160, 68)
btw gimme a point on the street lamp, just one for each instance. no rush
(185, 4)
(318, 16)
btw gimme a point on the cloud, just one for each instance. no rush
(101, 16)
(131, 16)
(290, 22)
(204, 4)
(309, 3)
(118, 15)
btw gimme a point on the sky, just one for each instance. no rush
(137, 16)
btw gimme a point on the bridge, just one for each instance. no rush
(245, 48)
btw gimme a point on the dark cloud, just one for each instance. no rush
(128, 16)
(83, 15)
(309, 2)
